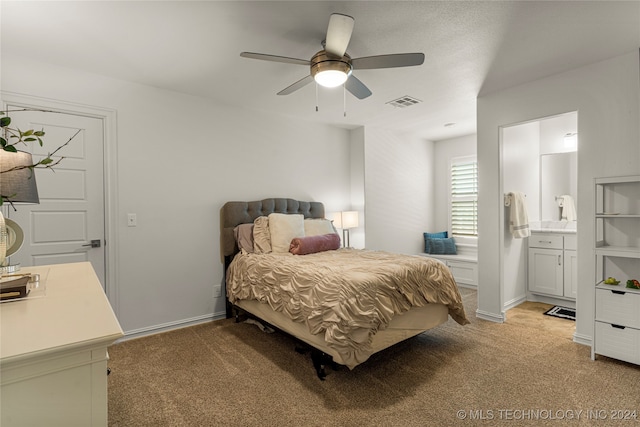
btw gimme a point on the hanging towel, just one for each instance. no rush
(568, 208)
(518, 218)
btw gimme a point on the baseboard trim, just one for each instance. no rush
(583, 339)
(549, 299)
(165, 327)
(514, 302)
(491, 317)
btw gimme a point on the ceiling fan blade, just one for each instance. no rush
(388, 61)
(297, 85)
(356, 87)
(275, 58)
(338, 34)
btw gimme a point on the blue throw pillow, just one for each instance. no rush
(442, 246)
(440, 235)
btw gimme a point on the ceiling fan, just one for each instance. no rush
(332, 66)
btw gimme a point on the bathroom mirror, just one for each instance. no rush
(558, 177)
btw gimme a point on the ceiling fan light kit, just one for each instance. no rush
(329, 71)
(332, 67)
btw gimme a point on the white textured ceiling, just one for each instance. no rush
(193, 47)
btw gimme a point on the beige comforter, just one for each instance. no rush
(346, 294)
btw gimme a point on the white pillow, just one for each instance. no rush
(318, 227)
(283, 228)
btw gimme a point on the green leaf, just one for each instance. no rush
(5, 121)
(27, 132)
(10, 148)
(29, 139)
(40, 142)
(3, 142)
(46, 161)
(39, 133)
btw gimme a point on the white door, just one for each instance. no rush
(71, 210)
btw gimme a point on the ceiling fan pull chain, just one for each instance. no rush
(344, 100)
(316, 97)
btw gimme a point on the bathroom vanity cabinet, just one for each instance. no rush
(552, 264)
(617, 254)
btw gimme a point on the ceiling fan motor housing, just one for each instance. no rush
(323, 61)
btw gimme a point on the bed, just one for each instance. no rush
(346, 304)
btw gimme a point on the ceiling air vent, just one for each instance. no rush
(403, 102)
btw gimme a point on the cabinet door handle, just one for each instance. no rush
(618, 326)
(559, 259)
(618, 292)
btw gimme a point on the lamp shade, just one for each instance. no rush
(17, 180)
(349, 219)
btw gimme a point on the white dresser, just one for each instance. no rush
(53, 351)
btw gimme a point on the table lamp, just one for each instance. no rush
(17, 186)
(346, 220)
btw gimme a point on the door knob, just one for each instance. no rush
(94, 243)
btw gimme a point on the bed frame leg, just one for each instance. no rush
(319, 360)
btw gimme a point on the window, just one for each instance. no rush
(464, 196)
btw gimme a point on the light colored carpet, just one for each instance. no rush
(524, 372)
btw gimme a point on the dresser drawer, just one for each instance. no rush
(549, 241)
(618, 307)
(621, 343)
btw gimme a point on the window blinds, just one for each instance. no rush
(464, 198)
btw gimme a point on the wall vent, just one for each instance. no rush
(404, 101)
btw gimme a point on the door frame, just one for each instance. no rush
(110, 151)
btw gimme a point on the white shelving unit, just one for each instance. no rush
(617, 253)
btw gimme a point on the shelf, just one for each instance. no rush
(618, 179)
(622, 287)
(618, 251)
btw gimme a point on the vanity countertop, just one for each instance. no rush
(546, 226)
(554, 230)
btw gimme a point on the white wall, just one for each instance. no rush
(357, 187)
(520, 172)
(399, 190)
(553, 130)
(179, 159)
(607, 97)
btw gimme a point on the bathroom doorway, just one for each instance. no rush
(539, 160)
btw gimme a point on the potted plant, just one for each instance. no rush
(17, 178)
(16, 165)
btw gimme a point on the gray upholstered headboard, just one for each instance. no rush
(235, 213)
